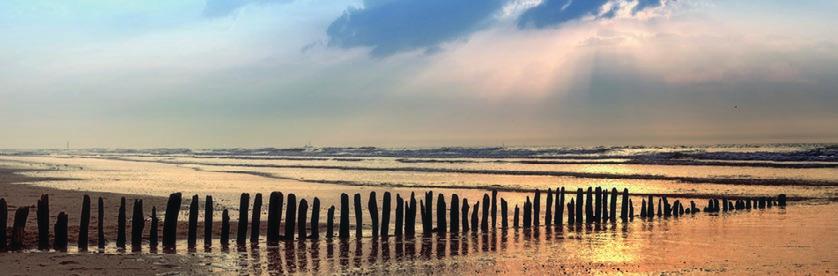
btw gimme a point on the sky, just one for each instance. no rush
(416, 73)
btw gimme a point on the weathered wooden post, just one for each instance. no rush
(330, 222)
(651, 209)
(301, 220)
(100, 223)
(604, 217)
(484, 225)
(192, 227)
(372, 207)
(4, 213)
(598, 205)
(410, 218)
(137, 225)
(589, 204)
(344, 216)
(613, 211)
(315, 219)
(643, 208)
(225, 228)
(465, 215)
(515, 220)
(256, 220)
(548, 213)
(579, 201)
(291, 217)
(494, 208)
(209, 209)
(624, 213)
(455, 214)
(474, 214)
(121, 224)
(440, 216)
(631, 210)
(152, 232)
(427, 211)
(504, 206)
(19, 228)
(60, 230)
(527, 214)
(571, 216)
(560, 205)
(42, 216)
(385, 215)
(359, 221)
(84, 224)
(536, 208)
(241, 229)
(274, 218)
(170, 221)
(399, 231)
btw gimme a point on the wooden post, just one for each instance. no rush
(152, 232)
(344, 216)
(484, 225)
(241, 230)
(385, 215)
(137, 225)
(781, 200)
(560, 205)
(455, 214)
(372, 207)
(515, 217)
(548, 213)
(19, 228)
(84, 224)
(427, 210)
(474, 214)
(42, 216)
(301, 220)
(315, 219)
(604, 216)
(256, 219)
(504, 224)
(440, 216)
(330, 222)
(598, 205)
(643, 208)
(660, 206)
(121, 224)
(359, 219)
(631, 210)
(651, 209)
(209, 209)
(410, 218)
(170, 221)
(494, 208)
(60, 243)
(225, 228)
(290, 217)
(624, 215)
(100, 210)
(399, 215)
(274, 217)
(4, 213)
(571, 217)
(465, 215)
(527, 213)
(613, 211)
(589, 206)
(579, 201)
(536, 208)
(192, 234)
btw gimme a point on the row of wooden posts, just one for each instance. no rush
(598, 208)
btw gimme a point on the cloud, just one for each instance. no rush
(555, 12)
(390, 26)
